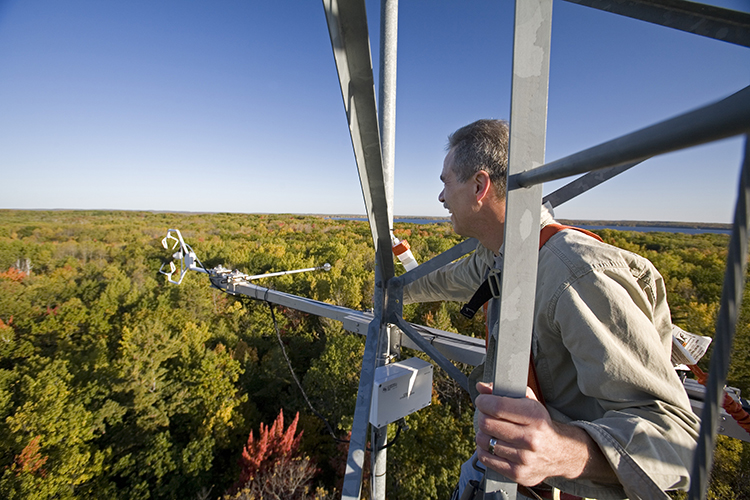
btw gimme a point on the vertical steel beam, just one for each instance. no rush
(528, 124)
(387, 95)
(726, 325)
(379, 435)
(387, 122)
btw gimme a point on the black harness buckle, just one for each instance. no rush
(489, 289)
(493, 279)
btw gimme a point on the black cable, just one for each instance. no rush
(401, 422)
(294, 376)
(401, 425)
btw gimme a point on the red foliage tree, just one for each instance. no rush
(30, 460)
(274, 444)
(272, 459)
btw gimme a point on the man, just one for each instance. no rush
(616, 420)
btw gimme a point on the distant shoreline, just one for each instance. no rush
(571, 222)
(638, 226)
(404, 218)
(639, 223)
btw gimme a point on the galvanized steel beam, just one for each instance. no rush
(458, 348)
(707, 20)
(455, 347)
(347, 26)
(584, 183)
(436, 355)
(726, 118)
(387, 95)
(471, 352)
(528, 124)
(437, 262)
(303, 304)
(352, 487)
(387, 101)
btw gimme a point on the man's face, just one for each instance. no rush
(459, 198)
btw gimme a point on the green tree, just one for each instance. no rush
(52, 420)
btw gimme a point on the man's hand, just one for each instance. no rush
(530, 446)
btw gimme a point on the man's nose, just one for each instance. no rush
(441, 198)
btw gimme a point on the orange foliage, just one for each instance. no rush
(6, 326)
(13, 274)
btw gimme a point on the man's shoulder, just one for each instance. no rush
(580, 253)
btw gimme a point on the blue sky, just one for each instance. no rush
(234, 106)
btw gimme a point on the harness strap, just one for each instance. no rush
(490, 287)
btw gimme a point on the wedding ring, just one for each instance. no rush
(491, 447)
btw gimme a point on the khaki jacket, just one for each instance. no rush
(601, 345)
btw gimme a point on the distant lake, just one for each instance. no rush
(652, 229)
(642, 229)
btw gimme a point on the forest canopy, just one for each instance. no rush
(116, 384)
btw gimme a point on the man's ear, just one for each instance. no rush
(482, 185)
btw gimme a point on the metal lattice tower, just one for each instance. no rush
(373, 147)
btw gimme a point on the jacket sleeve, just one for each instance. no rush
(456, 281)
(614, 332)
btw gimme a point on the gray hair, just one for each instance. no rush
(482, 145)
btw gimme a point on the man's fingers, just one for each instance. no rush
(494, 452)
(515, 460)
(530, 394)
(497, 447)
(508, 467)
(484, 388)
(516, 410)
(512, 434)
